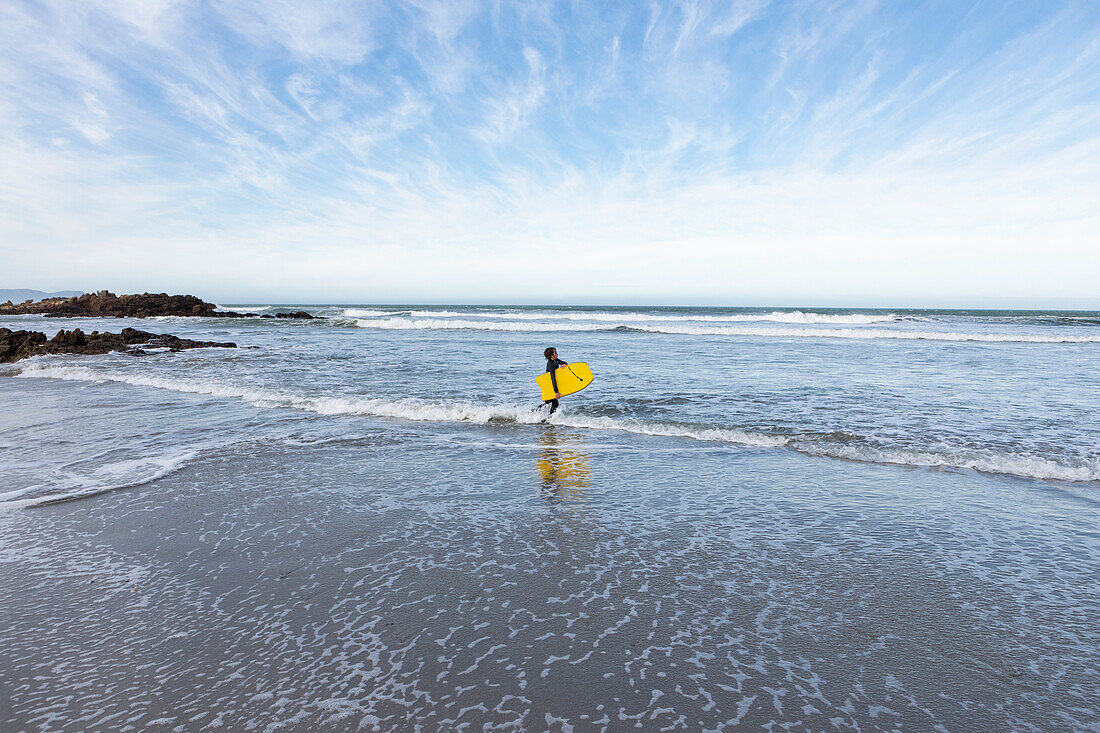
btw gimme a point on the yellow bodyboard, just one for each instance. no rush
(571, 378)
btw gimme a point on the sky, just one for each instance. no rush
(730, 153)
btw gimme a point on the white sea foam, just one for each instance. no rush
(409, 409)
(672, 430)
(369, 312)
(411, 324)
(110, 477)
(985, 462)
(435, 324)
(451, 411)
(876, 333)
(634, 317)
(245, 308)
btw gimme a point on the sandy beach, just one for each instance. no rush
(533, 578)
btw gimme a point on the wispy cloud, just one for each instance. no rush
(439, 150)
(335, 31)
(511, 109)
(738, 15)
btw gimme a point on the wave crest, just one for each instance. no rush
(834, 445)
(795, 316)
(370, 312)
(404, 323)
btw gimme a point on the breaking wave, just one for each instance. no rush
(403, 323)
(409, 408)
(795, 317)
(370, 312)
(846, 447)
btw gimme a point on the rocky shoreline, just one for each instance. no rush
(105, 304)
(16, 345)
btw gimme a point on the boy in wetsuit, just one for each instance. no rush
(552, 363)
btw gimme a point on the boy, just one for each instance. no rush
(552, 363)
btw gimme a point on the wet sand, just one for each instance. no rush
(539, 579)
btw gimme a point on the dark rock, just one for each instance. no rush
(16, 345)
(105, 303)
(71, 339)
(283, 314)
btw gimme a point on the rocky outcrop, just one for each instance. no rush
(284, 314)
(16, 345)
(295, 314)
(108, 304)
(144, 305)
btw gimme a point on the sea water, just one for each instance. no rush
(1009, 393)
(769, 519)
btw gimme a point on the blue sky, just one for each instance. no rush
(747, 152)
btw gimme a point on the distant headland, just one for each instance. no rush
(20, 295)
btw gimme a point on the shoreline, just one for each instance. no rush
(342, 584)
(433, 414)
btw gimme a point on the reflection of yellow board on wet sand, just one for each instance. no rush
(571, 378)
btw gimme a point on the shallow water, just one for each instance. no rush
(349, 527)
(1009, 393)
(532, 577)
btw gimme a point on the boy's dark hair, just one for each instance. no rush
(549, 350)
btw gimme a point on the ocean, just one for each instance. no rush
(1015, 394)
(873, 519)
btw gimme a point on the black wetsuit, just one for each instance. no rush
(552, 366)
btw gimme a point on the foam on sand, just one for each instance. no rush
(125, 474)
